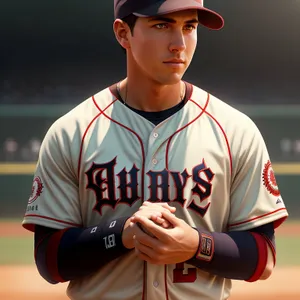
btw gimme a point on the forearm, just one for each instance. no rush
(235, 255)
(77, 252)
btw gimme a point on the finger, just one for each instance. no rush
(157, 220)
(158, 231)
(164, 205)
(145, 237)
(166, 224)
(142, 235)
(144, 249)
(142, 256)
(139, 225)
(171, 218)
(160, 204)
(168, 207)
(162, 222)
(148, 214)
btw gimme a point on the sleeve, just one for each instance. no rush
(54, 200)
(255, 196)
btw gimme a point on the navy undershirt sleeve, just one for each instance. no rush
(41, 238)
(233, 255)
(82, 251)
(77, 252)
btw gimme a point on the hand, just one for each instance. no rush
(169, 246)
(151, 211)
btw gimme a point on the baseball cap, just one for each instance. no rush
(151, 8)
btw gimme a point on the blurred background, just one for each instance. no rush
(55, 54)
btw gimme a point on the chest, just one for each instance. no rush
(122, 166)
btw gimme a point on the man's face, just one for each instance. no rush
(161, 48)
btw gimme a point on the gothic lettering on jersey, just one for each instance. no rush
(105, 183)
(180, 180)
(159, 181)
(202, 177)
(128, 186)
(101, 179)
(203, 187)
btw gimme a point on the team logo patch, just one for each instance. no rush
(36, 190)
(206, 249)
(270, 180)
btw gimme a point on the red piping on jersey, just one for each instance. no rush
(87, 129)
(180, 129)
(167, 162)
(259, 217)
(144, 279)
(52, 219)
(277, 223)
(166, 283)
(137, 136)
(143, 178)
(262, 247)
(225, 136)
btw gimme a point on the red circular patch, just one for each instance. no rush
(36, 190)
(270, 180)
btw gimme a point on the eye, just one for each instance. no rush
(161, 26)
(190, 27)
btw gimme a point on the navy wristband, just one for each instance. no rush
(82, 252)
(232, 255)
(63, 255)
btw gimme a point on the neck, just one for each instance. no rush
(147, 95)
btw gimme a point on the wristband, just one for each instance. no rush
(206, 247)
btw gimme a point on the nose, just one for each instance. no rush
(177, 43)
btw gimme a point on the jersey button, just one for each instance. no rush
(155, 135)
(154, 161)
(155, 284)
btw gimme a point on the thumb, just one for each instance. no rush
(171, 218)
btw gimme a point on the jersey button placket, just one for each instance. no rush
(154, 161)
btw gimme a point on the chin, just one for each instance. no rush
(171, 79)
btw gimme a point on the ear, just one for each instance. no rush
(122, 33)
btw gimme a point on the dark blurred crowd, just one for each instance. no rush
(290, 149)
(24, 93)
(37, 91)
(14, 151)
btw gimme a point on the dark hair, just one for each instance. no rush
(130, 21)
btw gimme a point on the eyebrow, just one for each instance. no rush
(170, 20)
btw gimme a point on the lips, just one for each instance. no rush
(174, 61)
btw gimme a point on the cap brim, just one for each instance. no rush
(207, 17)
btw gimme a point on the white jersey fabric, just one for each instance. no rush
(101, 160)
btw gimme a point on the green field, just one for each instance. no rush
(15, 251)
(288, 251)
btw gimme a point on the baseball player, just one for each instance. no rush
(153, 188)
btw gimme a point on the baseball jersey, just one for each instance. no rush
(101, 160)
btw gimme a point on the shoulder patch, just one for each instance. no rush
(269, 180)
(36, 190)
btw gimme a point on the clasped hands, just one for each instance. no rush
(161, 238)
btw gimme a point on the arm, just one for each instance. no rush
(243, 255)
(63, 255)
